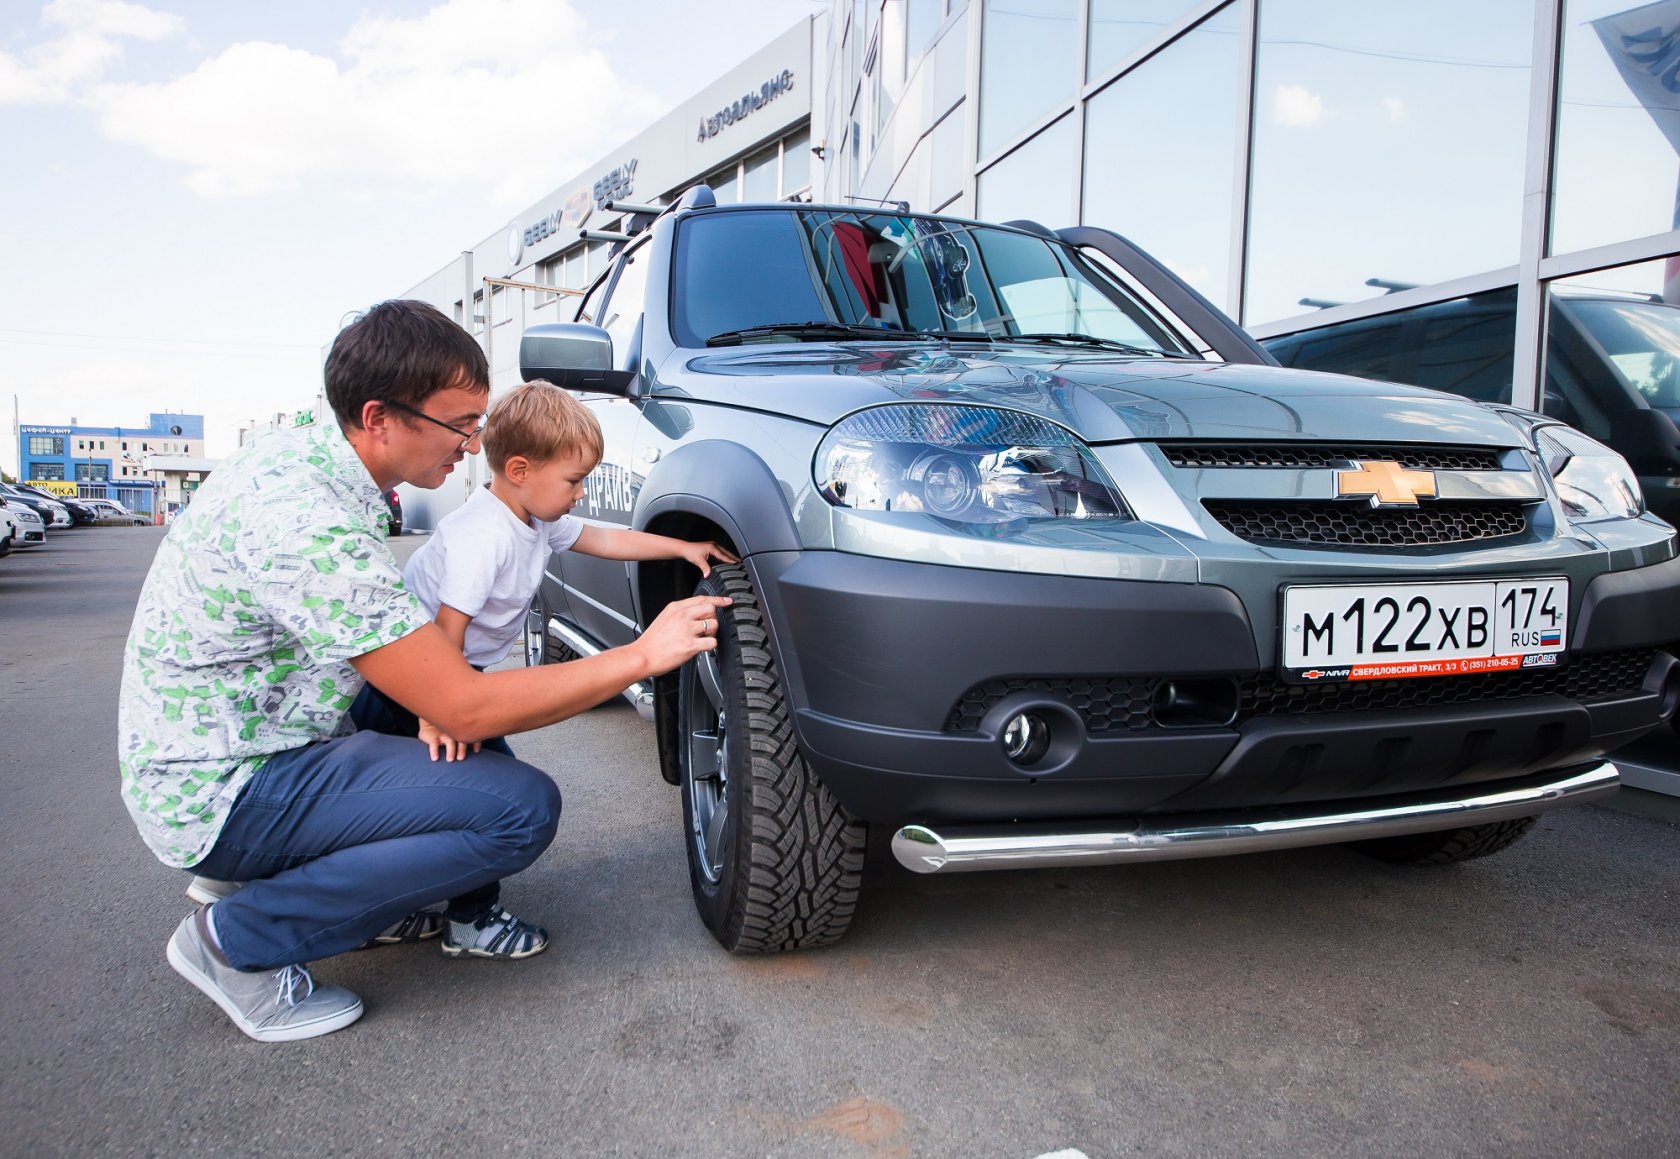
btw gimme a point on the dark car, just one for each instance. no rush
(81, 515)
(50, 508)
(1612, 366)
(393, 504)
(1045, 562)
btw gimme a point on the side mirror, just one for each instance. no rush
(573, 355)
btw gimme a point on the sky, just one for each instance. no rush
(195, 194)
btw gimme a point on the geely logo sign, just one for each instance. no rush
(516, 243)
(577, 209)
(1386, 483)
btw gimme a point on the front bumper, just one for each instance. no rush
(901, 677)
(923, 850)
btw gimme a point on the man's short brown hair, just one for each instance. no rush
(541, 422)
(401, 351)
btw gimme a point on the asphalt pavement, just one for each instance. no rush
(1301, 1003)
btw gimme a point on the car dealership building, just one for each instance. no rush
(1305, 164)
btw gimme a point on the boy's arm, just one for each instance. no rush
(622, 543)
(453, 623)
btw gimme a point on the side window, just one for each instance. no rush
(1469, 351)
(1365, 348)
(621, 313)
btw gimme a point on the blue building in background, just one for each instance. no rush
(106, 462)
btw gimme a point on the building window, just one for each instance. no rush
(1182, 213)
(1369, 170)
(1618, 130)
(796, 163)
(93, 472)
(45, 445)
(1035, 181)
(759, 181)
(1029, 64)
(1121, 27)
(48, 472)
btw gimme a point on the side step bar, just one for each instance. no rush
(922, 849)
(640, 693)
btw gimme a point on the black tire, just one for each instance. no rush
(774, 860)
(1448, 845)
(535, 642)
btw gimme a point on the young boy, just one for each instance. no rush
(478, 573)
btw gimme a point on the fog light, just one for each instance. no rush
(1026, 738)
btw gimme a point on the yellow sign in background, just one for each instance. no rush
(55, 487)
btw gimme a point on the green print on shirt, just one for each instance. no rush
(261, 673)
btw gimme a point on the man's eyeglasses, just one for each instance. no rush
(466, 436)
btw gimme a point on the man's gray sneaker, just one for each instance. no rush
(269, 1005)
(493, 934)
(418, 926)
(209, 891)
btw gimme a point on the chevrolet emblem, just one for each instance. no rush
(1386, 482)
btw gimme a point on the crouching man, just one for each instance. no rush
(272, 598)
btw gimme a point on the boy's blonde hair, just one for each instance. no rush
(541, 422)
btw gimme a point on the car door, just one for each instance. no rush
(598, 593)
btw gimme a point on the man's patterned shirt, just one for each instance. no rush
(268, 583)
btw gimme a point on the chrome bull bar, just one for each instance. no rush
(959, 849)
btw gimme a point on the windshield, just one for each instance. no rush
(1642, 339)
(813, 271)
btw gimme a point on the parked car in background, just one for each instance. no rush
(1612, 366)
(110, 511)
(31, 531)
(52, 512)
(8, 530)
(393, 503)
(80, 514)
(1046, 563)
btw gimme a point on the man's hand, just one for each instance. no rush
(439, 741)
(683, 630)
(701, 554)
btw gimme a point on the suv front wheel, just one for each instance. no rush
(774, 861)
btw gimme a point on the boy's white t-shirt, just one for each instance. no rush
(483, 562)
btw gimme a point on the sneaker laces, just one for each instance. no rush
(290, 980)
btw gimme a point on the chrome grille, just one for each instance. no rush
(1358, 524)
(1312, 455)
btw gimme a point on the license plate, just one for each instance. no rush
(1398, 631)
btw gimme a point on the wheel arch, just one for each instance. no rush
(711, 489)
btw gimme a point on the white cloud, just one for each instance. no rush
(509, 93)
(87, 40)
(1395, 108)
(1294, 105)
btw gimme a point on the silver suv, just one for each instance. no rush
(1046, 562)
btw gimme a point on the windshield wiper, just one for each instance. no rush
(1093, 340)
(807, 330)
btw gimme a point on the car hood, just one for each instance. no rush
(1103, 398)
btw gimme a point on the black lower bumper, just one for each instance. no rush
(878, 655)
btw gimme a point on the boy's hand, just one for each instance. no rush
(683, 630)
(701, 554)
(452, 749)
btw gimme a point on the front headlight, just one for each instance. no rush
(969, 465)
(1593, 481)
